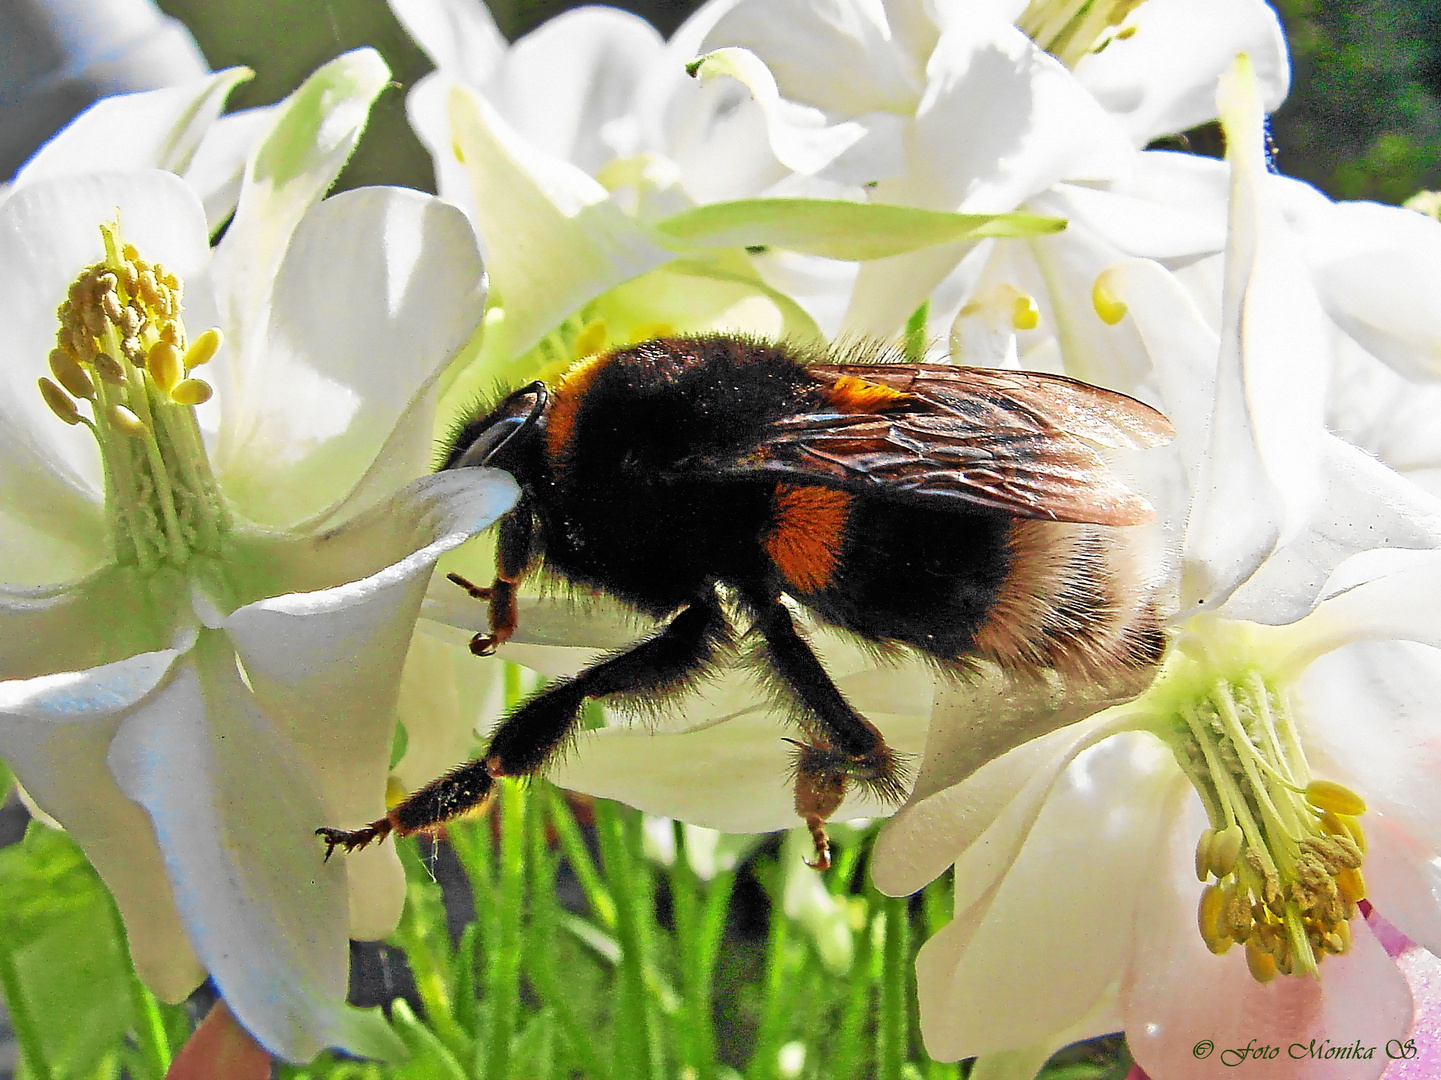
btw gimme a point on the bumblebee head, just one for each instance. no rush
(507, 438)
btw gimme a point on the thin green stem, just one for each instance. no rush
(27, 1033)
(503, 971)
(602, 904)
(631, 1038)
(892, 1028)
(850, 1039)
(697, 1033)
(539, 958)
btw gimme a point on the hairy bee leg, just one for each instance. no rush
(528, 737)
(662, 662)
(845, 745)
(512, 559)
(477, 592)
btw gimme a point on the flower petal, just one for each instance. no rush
(996, 796)
(1172, 971)
(1373, 266)
(845, 57)
(312, 136)
(553, 239)
(99, 620)
(1261, 476)
(234, 812)
(310, 657)
(1060, 917)
(1161, 78)
(378, 289)
(156, 129)
(217, 169)
(55, 731)
(458, 35)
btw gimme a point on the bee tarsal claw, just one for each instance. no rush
(354, 839)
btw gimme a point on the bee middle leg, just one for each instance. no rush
(531, 735)
(844, 746)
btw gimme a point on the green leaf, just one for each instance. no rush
(840, 230)
(429, 1058)
(59, 939)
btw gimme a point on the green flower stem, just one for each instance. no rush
(632, 1037)
(422, 934)
(27, 1034)
(463, 977)
(602, 905)
(508, 902)
(892, 1024)
(937, 903)
(865, 973)
(150, 1036)
(697, 1033)
(540, 955)
(787, 970)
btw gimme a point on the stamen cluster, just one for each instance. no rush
(1283, 853)
(122, 347)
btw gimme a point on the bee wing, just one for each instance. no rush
(1021, 442)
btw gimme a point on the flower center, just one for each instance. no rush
(1070, 29)
(1283, 853)
(122, 348)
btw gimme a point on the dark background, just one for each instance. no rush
(1363, 119)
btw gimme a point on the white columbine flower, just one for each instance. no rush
(208, 598)
(1284, 754)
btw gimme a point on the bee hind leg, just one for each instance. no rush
(844, 747)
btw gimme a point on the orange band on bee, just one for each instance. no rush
(852, 395)
(565, 403)
(805, 542)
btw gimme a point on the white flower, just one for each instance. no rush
(208, 601)
(1294, 678)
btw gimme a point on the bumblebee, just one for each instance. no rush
(966, 513)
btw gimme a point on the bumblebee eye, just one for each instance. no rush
(490, 441)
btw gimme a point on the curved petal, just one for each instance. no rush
(310, 657)
(399, 537)
(553, 239)
(233, 811)
(98, 620)
(156, 129)
(459, 36)
(54, 733)
(1161, 78)
(1377, 595)
(312, 136)
(806, 139)
(1062, 916)
(570, 86)
(995, 800)
(217, 169)
(1177, 993)
(845, 57)
(49, 232)
(1261, 477)
(378, 289)
(1373, 266)
(1361, 504)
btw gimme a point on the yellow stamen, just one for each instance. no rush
(203, 348)
(1110, 307)
(59, 401)
(1025, 314)
(191, 392)
(163, 363)
(69, 374)
(1261, 963)
(1337, 798)
(1210, 913)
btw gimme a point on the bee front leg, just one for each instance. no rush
(512, 559)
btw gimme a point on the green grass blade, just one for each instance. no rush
(503, 971)
(893, 1023)
(631, 1036)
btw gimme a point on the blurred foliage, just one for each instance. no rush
(668, 951)
(1363, 120)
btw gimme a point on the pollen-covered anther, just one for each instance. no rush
(109, 368)
(191, 392)
(1260, 962)
(69, 374)
(203, 349)
(163, 363)
(1210, 919)
(61, 404)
